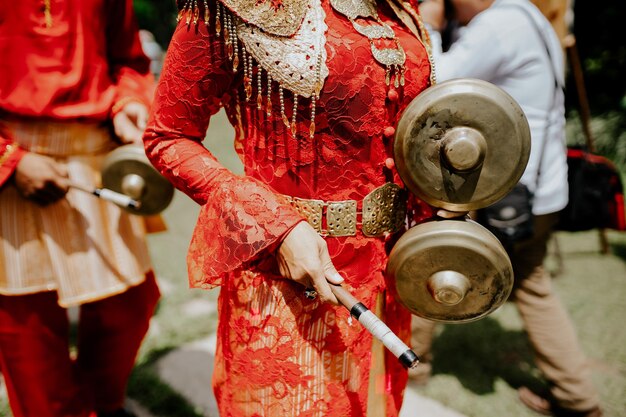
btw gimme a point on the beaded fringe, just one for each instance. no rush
(241, 59)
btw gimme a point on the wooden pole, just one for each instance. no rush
(579, 81)
(585, 113)
(556, 12)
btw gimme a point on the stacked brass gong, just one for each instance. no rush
(127, 170)
(460, 145)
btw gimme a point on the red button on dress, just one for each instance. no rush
(389, 131)
(392, 95)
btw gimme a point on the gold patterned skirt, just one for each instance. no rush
(82, 247)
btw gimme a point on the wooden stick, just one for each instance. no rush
(583, 102)
(376, 327)
(585, 114)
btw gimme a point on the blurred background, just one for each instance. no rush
(477, 366)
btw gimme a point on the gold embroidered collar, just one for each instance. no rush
(275, 17)
(283, 42)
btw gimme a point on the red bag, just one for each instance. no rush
(596, 194)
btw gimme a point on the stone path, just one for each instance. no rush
(188, 369)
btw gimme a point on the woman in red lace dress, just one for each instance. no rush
(314, 90)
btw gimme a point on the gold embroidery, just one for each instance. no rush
(47, 13)
(422, 36)
(287, 40)
(276, 17)
(296, 63)
(8, 151)
(281, 18)
(292, 62)
(392, 59)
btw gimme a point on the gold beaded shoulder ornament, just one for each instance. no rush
(285, 41)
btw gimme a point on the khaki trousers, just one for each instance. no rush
(550, 331)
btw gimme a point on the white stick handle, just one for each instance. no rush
(376, 327)
(114, 197)
(109, 195)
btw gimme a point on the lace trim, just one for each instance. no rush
(277, 17)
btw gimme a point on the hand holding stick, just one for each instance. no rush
(303, 257)
(376, 327)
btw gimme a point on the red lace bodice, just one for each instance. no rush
(243, 218)
(345, 159)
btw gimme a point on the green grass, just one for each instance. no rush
(478, 366)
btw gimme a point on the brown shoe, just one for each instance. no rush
(549, 407)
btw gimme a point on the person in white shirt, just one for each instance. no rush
(510, 44)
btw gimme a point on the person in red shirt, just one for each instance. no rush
(72, 72)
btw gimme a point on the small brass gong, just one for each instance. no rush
(462, 144)
(128, 171)
(450, 271)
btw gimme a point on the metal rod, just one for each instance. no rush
(109, 195)
(376, 327)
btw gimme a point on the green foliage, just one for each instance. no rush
(599, 30)
(600, 42)
(157, 16)
(609, 134)
(4, 407)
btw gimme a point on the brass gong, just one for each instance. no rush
(450, 271)
(128, 171)
(462, 144)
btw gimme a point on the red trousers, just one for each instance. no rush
(43, 380)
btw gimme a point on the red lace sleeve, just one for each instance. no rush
(240, 217)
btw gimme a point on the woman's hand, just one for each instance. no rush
(130, 122)
(303, 257)
(41, 179)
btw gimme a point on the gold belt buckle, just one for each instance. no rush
(340, 215)
(311, 210)
(341, 218)
(384, 210)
